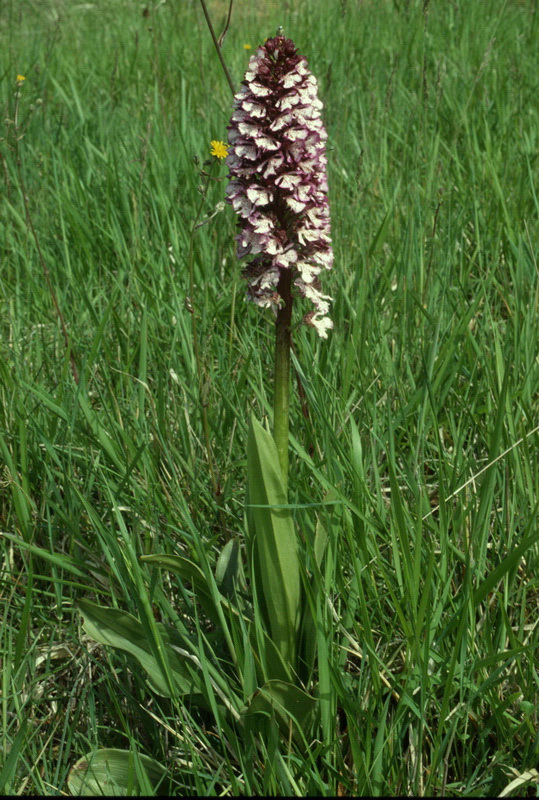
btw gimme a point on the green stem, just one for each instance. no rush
(281, 391)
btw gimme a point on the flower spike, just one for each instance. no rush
(277, 179)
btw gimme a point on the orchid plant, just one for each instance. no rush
(278, 187)
(259, 673)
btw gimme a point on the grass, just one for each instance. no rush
(423, 403)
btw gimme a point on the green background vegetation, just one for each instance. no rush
(430, 374)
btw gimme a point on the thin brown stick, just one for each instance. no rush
(227, 25)
(218, 49)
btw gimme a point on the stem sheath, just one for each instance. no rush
(281, 393)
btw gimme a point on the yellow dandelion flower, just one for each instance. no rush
(20, 78)
(219, 149)
(246, 46)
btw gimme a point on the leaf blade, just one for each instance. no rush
(273, 542)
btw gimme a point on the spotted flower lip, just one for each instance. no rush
(277, 179)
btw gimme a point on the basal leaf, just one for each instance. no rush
(229, 569)
(116, 773)
(289, 703)
(273, 543)
(191, 573)
(118, 629)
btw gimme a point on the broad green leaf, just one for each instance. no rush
(289, 703)
(307, 634)
(273, 543)
(115, 773)
(269, 661)
(320, 541)
(218, 607)
(190, 572)
(229, 569)
(116, 628)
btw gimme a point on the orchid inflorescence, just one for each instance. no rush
(278, 184)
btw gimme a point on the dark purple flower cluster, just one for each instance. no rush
(278, 184)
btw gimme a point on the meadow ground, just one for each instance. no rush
(418, 425)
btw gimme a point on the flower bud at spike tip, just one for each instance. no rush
(278, 183)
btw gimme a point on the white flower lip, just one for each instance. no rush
(288, 180)
(282, 120)
(254, 109)
(288, 101)
(295, 205)
(259, 196)
(246, 151)
(272, 165)
(266, 142)
(242, 206)
(261, 224)
(259, 90)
